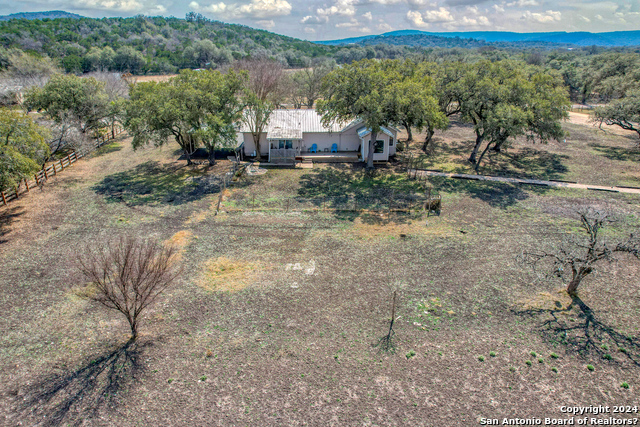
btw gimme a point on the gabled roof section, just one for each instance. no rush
(362, 132)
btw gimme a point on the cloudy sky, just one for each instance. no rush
(332, 19)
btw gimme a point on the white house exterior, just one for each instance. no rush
(300, 134)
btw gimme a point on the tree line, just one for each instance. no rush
(502, 99)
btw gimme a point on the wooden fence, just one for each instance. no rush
(56, 167)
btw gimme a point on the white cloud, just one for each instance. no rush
(368, 16)
(268, 24)
(584, 18)
(309, 30)
(416, 4)
(544, 18)
(383, 26)
(351, 24)
(314, 20)
(523, 3)
(340, 7)
(478, 21)
(118, 5)
(254, 9)
(497, 8)
(430, 16)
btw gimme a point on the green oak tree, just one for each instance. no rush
(69, 98)
(507, 99)
(623, 112)
(22, 147)
(195, 107)
(358, 91)
(412, 100)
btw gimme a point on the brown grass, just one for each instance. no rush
(555, 300)
(227, 275)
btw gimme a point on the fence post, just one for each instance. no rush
(37, 180)
(26, 184)
(4, 199)
(61, 165)
(17, 194)
(54, 168)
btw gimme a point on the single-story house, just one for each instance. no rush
(300, 135)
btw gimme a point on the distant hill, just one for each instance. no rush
(53, 14)
(431, 41)
(416, 38)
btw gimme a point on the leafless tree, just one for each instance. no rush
(117, 89)
(128, 275)
(576, 258)
(386, 343)
(266, 78)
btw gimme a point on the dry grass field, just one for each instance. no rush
(283, 299)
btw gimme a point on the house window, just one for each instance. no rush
(378, 147)
(390, 142)
(285, 143)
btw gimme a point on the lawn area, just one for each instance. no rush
(589, 155)
(286, 293)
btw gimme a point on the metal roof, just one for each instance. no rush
(299, 120)
(284, 133)
(362, 132)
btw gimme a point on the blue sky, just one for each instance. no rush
(332, 19)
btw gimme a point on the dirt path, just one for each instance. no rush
(585, 120)
(528, 181)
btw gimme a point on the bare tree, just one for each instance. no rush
(386, 343)
(580, 256)
(265, 78)
(265, 89)
(128, 275)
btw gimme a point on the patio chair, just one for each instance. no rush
(314, 148)
(334, 148)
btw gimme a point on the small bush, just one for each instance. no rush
(590, 367)
(554, 369)
(203, 378)
(492, 354)
(553, 356)
(540, 360)
(481, 358)
(622, 350)
(528, 362)
(604, 347)
(607, 357)
(410, 354)
(624, 385)
(533, 354)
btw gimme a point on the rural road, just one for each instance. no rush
(560, 184)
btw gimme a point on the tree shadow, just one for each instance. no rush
(528, 163)
(353, 192)
(617, 153)
(6, 218)
(112, 147)
(154, 183)
(525, 162)
(578, 327)
(496, 194)
(76, 396)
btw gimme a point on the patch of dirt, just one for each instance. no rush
(374, 226)
(227, 275)
(585, 120)
(554, 300)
